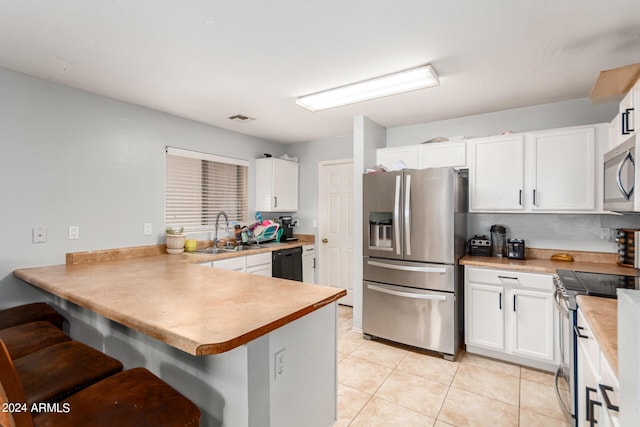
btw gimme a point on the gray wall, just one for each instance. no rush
(74, 158)
(547, 116)
(570, 232)
(310, 154)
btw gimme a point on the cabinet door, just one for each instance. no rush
(589, 411)
(389, 156)
(276, 185)
(442, 154)
(285, 186)
(562, 169)
(496, 174)
(484, 316)
(532, 315)
(259, 264)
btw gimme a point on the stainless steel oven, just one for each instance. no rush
(569, 284)
(620, 177)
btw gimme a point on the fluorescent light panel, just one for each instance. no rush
(392, 84)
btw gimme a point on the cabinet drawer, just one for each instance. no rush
(258, 259)
(511, 278)
(236, 264)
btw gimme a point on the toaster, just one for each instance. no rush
(515, 249)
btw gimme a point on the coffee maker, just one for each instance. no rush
(286, 223)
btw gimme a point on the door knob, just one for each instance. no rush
(325, 240)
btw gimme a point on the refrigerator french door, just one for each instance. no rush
(414, 232)
(413, 215)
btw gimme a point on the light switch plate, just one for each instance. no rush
(74, 232)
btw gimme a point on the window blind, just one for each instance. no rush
(199, 185)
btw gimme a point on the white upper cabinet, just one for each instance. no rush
(496, 173)
(422, 156)
(556, 170)
(627, 122)
(442, 154)
(562, 167)
(408, 154)
(276, 185)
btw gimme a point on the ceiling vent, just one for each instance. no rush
(241, 118)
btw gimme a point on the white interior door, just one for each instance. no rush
(336, 226)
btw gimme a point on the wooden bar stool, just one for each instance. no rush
(58, 371)
(129, 399)
(31, 337)
(30, 313)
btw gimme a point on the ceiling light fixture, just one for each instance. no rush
(391, 84)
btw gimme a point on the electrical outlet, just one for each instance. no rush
(74, 232)
(40, 234)
(315, 223)
(148, 230)
(279, 363)
(605, 233)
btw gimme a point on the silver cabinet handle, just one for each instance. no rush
(406, 294)
(408, 268)
(275, 202)
(407, 214)
(534, 197)
(396, 216)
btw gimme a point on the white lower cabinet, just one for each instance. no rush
(510, 315)
(598, 387)
(259, 264)
(485, 316)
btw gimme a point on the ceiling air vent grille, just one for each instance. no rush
(241, 118)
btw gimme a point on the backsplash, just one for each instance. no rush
(555, 231)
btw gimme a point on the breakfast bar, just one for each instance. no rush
(212, 334)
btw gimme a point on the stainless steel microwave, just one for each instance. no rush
(620, 177)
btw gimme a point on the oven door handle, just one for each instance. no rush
(563, 405)
(407, 294)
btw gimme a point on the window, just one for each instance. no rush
(199, 185)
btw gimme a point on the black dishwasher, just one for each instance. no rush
(287, 264)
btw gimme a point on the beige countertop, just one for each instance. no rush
(538, 262)
(602, 316)
(197, 309)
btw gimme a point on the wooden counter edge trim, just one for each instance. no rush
(209, 349)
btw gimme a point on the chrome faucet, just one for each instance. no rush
(215, 239)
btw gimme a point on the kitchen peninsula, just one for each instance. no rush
(212, 334)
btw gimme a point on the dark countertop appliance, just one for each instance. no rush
(569, 284)
(480, 246)
(286, 223)
(515, 249)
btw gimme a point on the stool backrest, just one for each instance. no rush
(12, 393)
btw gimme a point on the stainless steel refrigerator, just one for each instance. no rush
(414, 233)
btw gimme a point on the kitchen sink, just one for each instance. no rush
(214, 251)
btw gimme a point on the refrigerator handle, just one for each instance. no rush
(407, 215)
(407, 294)
(396, 217)
(412, 268)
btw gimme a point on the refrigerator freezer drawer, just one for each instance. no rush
(440, 277)
(416, 317)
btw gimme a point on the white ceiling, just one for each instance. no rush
(208, 59)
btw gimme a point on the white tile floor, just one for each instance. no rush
(380, 384)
